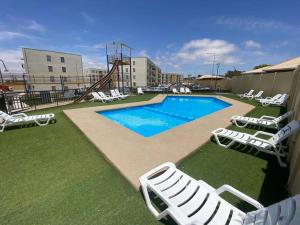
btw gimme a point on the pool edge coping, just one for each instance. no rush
(131, 162)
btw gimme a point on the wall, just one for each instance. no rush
(224, 84)
(270, 83)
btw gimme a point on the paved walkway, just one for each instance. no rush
(133, 154)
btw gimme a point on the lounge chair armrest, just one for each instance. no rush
(19, 115)
(267, 117)
(264, 133)
(239, 194)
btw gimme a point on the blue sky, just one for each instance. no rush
(178, 35)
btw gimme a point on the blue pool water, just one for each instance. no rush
(153, 119)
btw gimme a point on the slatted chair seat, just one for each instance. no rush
(273, 145)
(192, 202)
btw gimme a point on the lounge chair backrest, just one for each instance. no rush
(102, 94)
(275, 97)
(284, 116)
(168, 182)
(285, 132)
(182, 89)
(187, 89)
(95, 95)
(286, 212)
(4, 115)
(282, 98)
(113, 93)
(259, 94)
(250, 92)
(117, 92)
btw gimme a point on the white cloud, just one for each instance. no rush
(93, 61)
(254, 24)
(143, 53)
(9, 35)
(88, 18)
(12, 59)
(204, 49)
(33, 25)
(252, 44)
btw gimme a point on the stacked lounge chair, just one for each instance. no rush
(247, 94)
(140, 91)
(174, 90)
(263, 121)
(21, 119)
(194, 202)
(277, 100)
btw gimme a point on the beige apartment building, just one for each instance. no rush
(172, 78)
(94, 74)
(145, 73)
(52, 70)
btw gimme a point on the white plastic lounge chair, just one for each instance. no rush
(140, 91)
(174, 90)
(264, 121)
(114, 95)
(281, 101)
(272, 146)
(247, 94)
(97, 97)
(182, 90)
(121, 95)
(107, 98)
(194, 202)
(21, 118)
(188, 91)
(275, 97)
(257, 96)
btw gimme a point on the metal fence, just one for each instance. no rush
(12, 102)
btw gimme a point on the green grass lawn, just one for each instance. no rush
(54, 175)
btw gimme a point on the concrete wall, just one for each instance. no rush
(224, 84)
(270, 83)
(294, 142)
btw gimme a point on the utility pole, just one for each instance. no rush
(218, 65)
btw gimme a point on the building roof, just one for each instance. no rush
(203, 77)
(260, 70)
(43, 50)
(287, 65)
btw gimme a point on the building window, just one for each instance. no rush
(51, 78)
(127, 77)
(53, 88)
(48, 58)
(65, 79)
(133, 77)
(62, 59)
(66, 88)
(50, 68)
(134, 84)
(133, 69)
(64, 69)
(126, 70)
(133, 62)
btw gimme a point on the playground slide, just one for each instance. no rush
(99, 84)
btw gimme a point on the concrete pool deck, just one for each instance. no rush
(132, 154)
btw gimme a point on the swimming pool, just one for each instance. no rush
(149, 120)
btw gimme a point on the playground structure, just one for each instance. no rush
(116, 57)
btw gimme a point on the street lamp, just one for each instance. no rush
(5, 70)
